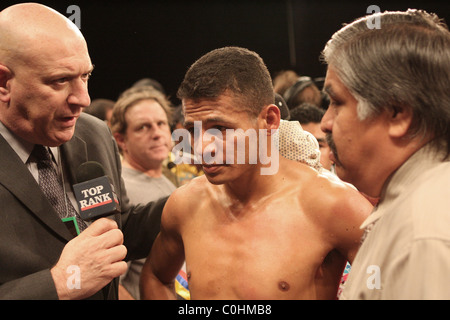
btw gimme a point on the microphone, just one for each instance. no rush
(171, 165)
(94, 192)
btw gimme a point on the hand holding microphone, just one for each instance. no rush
(98, 252)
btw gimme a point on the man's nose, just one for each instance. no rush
(326, 124)
(79, 94)
(206, 143)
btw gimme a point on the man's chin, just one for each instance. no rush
(60, 138)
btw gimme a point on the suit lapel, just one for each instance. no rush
(16, 177)
(74, 153)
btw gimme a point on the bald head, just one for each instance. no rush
(28, 27)
(44, 71)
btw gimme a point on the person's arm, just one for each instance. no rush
(353, 209)
(343, 214)
(165, 259)
(141, 225)
(36, 286)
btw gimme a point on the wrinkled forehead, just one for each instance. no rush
(225, 109)
(231, 101)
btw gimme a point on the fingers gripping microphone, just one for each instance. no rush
(94, 193)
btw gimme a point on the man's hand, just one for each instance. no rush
(98, 254)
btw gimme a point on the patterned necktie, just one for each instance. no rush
(52, 188)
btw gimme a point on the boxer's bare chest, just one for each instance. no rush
(266, 250)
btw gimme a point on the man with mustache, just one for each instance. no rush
(388, 126)
(243, 234)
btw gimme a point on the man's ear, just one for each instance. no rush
(5, 76)
(120, 139)
(270, 116)
(400, 119)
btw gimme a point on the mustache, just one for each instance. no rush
(332, 145)
(330, 142)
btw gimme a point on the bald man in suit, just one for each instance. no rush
(44, 71)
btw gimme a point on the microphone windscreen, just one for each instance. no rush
(89, 170)
(94, 192)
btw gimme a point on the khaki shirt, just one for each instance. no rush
(406, 250)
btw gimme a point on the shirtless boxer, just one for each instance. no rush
(245, 235)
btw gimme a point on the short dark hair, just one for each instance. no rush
(230, 69)
(99, 107)
(306, 113)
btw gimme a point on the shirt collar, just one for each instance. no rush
(396, 185)
(22, 147)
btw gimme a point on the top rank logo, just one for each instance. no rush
(94, 198)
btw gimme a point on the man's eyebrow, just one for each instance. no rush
(188, 124)
(67, 73)
(328, 90)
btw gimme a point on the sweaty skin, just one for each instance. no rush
(250, 236)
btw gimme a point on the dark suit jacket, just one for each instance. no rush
(32, 235)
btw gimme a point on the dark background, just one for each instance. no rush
(130, 40)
